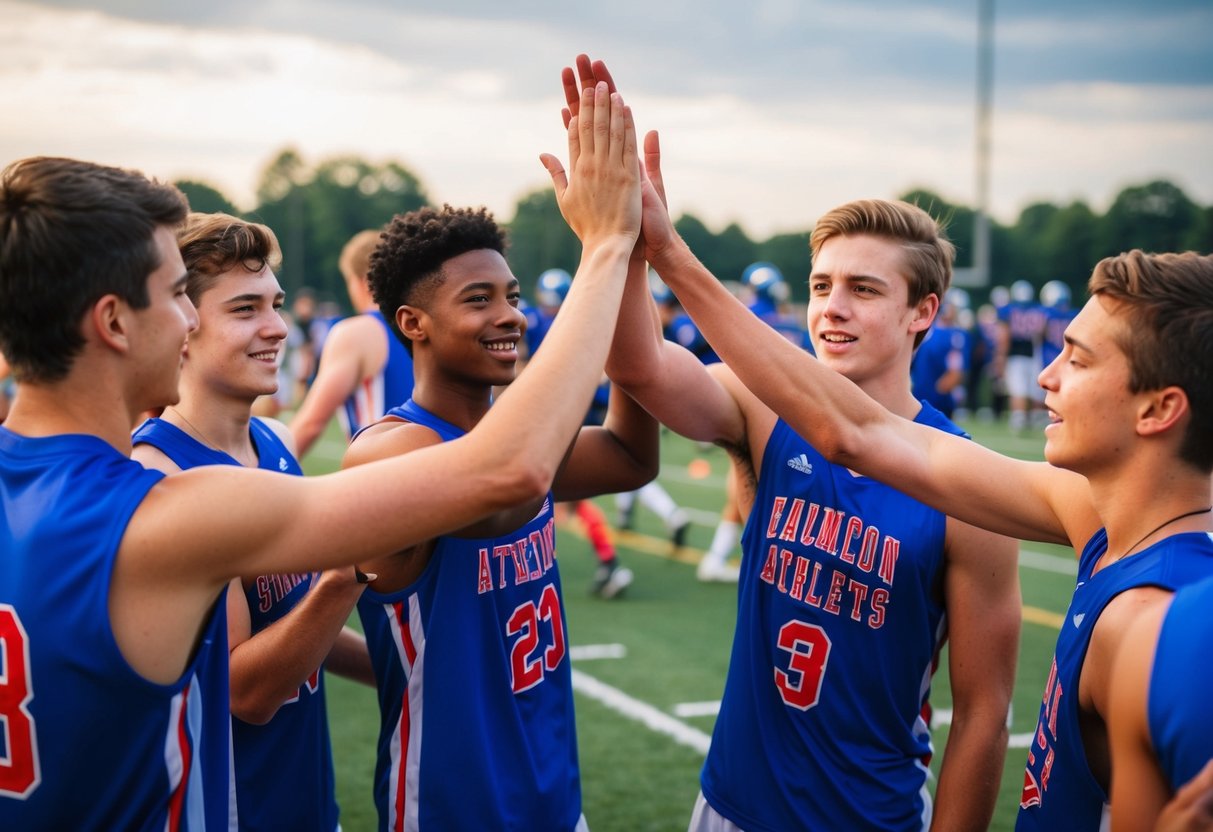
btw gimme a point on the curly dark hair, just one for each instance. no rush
(414, 247)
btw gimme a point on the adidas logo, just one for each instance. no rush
(282, 466)
(801, 463)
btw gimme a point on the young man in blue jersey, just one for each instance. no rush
(467, 630)
(848, 588)
(364, 369)
(110, 574)
(281, 628)
(1129, 450)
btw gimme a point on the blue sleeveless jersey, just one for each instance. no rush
(823, 722)
(284, 769)
(1178, 705)
(475, 692)
(85, 742)
(387, 388)
(943, 350)
(1059, 791)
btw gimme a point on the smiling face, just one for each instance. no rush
(1091, 411)
(858, 315)
(467, 325)
(236, 350)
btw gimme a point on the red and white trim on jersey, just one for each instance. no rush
(409, 637)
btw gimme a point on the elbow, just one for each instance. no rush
(523, 481)
(252, 709)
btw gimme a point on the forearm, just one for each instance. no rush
(350, 657)
(971, 771)
(824, 407)
(268, 669)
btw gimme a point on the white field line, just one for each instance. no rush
(642, 712)
(590, 652)
(692, 709)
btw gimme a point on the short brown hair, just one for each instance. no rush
(212, 244)
(72, 232)
(1167, 301)
(928, 251)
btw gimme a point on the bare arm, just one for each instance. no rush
(983, 609)
(1139, 788)
(268, 668)
(621, 455)
(349, 354)
(176, 555)
(1020, 499)
(350, 657)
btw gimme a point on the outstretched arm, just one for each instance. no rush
(662, 376)
(196, 530)
(961, 478)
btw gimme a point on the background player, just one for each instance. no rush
(1021, 327)
(364, 368)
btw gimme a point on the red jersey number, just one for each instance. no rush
(19, 769)
(808, 647)
(526, 666)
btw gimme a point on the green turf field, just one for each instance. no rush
(662, 652)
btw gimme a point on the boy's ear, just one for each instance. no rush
(108, 322)
(924, 313)
(1161, 410)
(413, 322)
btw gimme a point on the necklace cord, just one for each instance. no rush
(1158, 528)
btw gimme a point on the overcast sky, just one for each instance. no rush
(771, 111)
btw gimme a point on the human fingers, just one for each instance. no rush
(601, 73)
(560, 179)
(585, 122)
(652, 164)
(618, 130)
(601, 128)
(572, 94)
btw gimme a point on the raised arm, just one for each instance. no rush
(961, 478)
(196, 530)
(662, 376)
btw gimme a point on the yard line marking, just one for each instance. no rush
(1034, 559)
(690, 709)
(1043, 617)
(590, 652)
(1020, 740)
(642, 712)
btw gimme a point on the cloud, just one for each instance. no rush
(770, 112)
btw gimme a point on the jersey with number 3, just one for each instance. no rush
(85, 742)
(475, 691)
(839, 624)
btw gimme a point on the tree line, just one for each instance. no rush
(316, 208)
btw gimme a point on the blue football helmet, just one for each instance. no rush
(553, 287)
(1055, 295)
(767, 281)
(1022, 292)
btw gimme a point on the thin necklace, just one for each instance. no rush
(1177, 517)
(215, 446)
